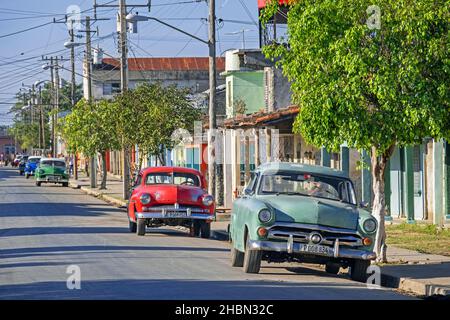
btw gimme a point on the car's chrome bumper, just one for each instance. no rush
(170, 215)
(293, 247)
(51, 180)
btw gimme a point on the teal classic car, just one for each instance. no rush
(301, 213)
(52, 170)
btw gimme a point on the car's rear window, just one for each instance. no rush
(177, 178)
(34, 160)
(53, 163)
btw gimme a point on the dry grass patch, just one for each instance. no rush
(422, 238)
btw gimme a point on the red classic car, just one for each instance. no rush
(171, 196)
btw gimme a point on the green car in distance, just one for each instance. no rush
(292, 212)
(52, 170)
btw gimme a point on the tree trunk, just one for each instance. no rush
(378, 164)
(86, 166)
(104, 171)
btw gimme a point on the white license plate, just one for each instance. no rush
(314, 248)
(176, 215)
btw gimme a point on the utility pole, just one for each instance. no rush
(72, 92)
(41, 122)
(53, 103)
(212, 99)
(124, 88)
(56, 107)
(93, 173)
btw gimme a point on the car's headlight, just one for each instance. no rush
(265, 215)
(145, 198)
(208, 200)
(370, 225)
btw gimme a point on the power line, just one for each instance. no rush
(248, 12)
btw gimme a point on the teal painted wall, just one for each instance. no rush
(247, 86)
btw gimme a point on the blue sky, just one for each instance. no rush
(20, 53)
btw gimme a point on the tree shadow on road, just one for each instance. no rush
(189, 289)
(45, 209)
(11, 253)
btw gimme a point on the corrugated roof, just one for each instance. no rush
(168, 64)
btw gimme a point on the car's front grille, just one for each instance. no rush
(302, 233)
(173, 209)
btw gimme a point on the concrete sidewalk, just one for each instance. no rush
(407, 270)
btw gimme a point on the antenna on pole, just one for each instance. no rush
(149, 3)
(95, 9)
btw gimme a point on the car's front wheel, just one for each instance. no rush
(27, 175)
(195, 229)
(140, 227)
(358, 270)
(65, 184)
(132, 226)
(205, 230)
(38, 183)
(252, 259)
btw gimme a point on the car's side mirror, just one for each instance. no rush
(248, 192)
(364, 204)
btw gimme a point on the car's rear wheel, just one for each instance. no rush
(358, 270)
(140, 228)
(252, 259)
(205, 230)
(237, 257)
(65, 184)
(38, 183)
(27, 176)
(332, 268)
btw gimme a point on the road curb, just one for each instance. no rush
(99, 195)
(410, 285)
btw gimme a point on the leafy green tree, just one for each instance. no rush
(90, 129)
(374, 77)
(148, 115)
(27, 134)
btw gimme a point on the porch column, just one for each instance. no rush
(366, 178)
(325, 159)
(447, 180)
(408, 190)
(268, 144)
(438, 184)
(345, 159)
(236, 160)
(256, 135)
(227, 168)
(247, 157)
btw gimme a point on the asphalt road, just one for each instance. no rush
(44, 230)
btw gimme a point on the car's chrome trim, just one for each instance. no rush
(163, 215)
(292, 247)
(299, 236)
(313, 227)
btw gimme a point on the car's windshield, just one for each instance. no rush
(302, 183)
(177, 178)
(34, 160)
(55, 163)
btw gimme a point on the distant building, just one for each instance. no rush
(8, 145)
(185, 72)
